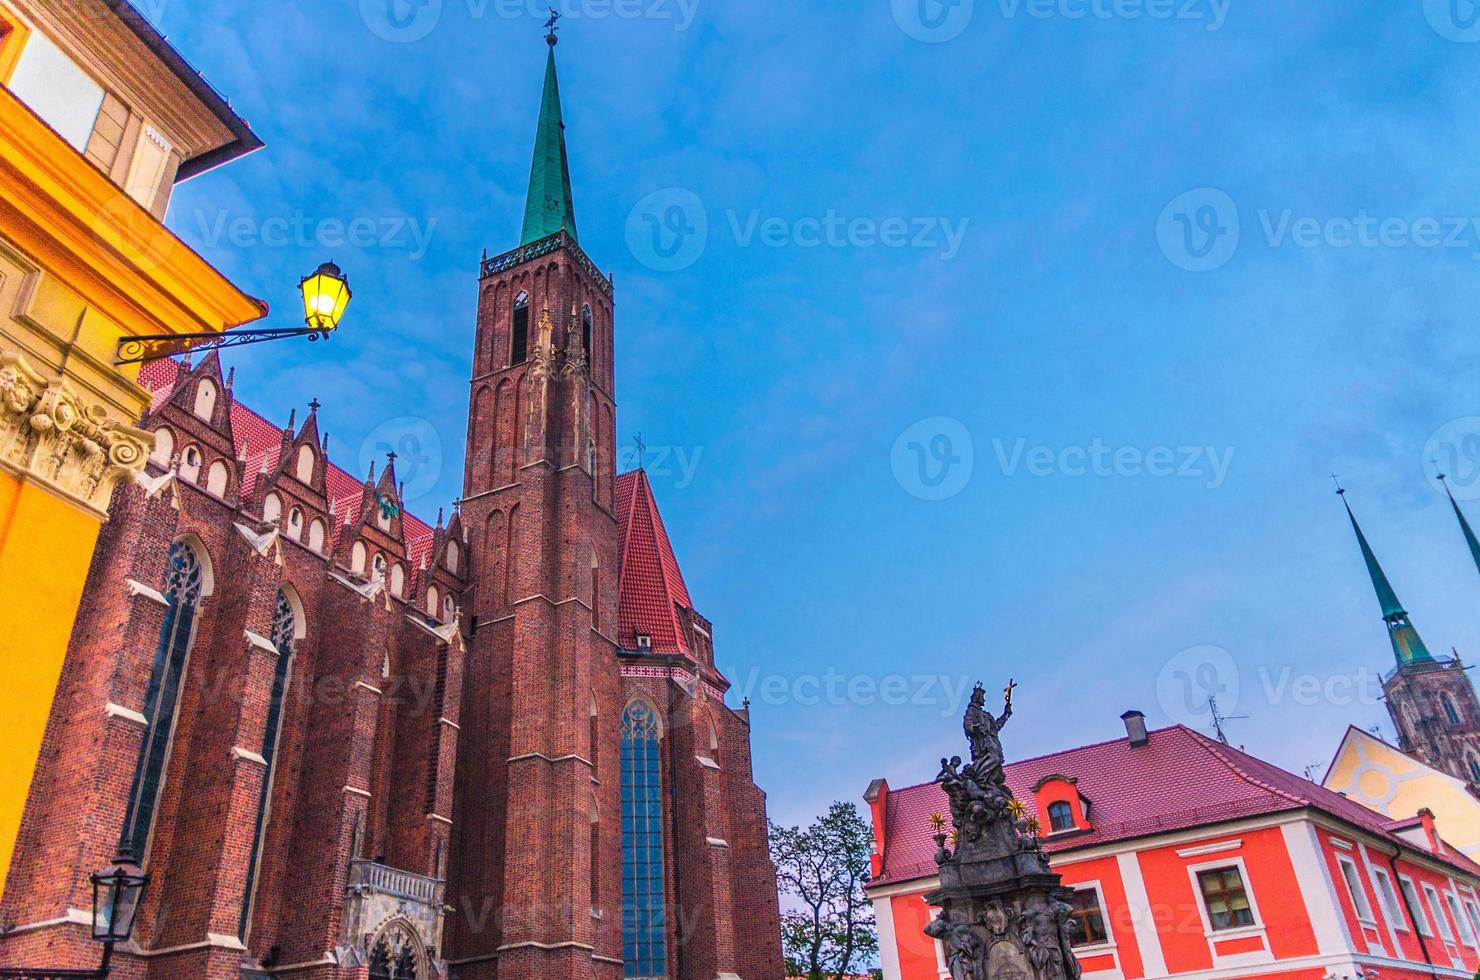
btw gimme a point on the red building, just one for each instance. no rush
(347, 743)
(1191, 859)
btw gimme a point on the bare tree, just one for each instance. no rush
(824, 868)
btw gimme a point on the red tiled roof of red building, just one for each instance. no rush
(261, 441)
(652, 585)
(1132, 792)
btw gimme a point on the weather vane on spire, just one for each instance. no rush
(1340, 490)
(552, 28)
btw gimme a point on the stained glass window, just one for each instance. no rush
(284, 625)
(182, 587)
(644, 922)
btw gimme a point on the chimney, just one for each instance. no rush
(877, 798)
(1135, 728)
(1430, 830)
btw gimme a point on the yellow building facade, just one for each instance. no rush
(1384, 778)
(99, 119)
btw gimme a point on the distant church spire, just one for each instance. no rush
(1408, 646)
(1464, 525)
(549, 208)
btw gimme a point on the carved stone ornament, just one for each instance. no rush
(50, 434)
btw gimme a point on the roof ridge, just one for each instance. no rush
(1216, 751)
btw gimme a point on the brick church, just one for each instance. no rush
(346, 743)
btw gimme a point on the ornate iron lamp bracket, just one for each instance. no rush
(140, 350)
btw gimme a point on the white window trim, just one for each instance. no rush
(1109, 945)
(1241, 932)
(1357, 894)
(1425, 927)
(1457, 909)
(1436, 908)
(1397, 921)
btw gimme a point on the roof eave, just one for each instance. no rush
(243, 141)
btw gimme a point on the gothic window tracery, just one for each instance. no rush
(183, 586)
(284, 630)
(519, 336)
(1451, 711)
(393, 955)
(644, 924)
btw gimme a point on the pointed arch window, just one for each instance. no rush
(183, 586)
(284, 629)
(393, 955)
(644, 924)
(519, 337)
(1475, 769)
(1451, 710)
(586, 331)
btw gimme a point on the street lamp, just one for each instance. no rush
(118, 890)
(325, 295)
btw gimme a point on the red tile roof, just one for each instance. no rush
(652, 586)
(1180, 779)
(260, 442)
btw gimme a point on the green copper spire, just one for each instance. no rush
(549, 207)
(1464, 525)
(1408, 646)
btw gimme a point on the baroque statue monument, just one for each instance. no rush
(1002, 910)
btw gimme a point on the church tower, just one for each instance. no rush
(537, 810)
(1431, 699)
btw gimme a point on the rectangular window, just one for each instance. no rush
(1438, 912)
(1465, 932)
(1411, 894)
(1090, 917)
(1225, 899)
(1355, 890)
(62, 94)
(1473, 912)
(1389, 898)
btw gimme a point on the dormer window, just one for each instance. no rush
(1060, 816)
(304, 469)
(205, 399)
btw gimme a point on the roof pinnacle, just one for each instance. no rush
(1408, 646)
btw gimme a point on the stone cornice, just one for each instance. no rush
(90, 232)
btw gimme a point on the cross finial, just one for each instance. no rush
(641, 448)
(1007, 691)
(391, 456)
(552, 26)
(1340, 490)
(314, 406)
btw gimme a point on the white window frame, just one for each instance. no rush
(1352, 878)
(1389, 899)
(1473, 911)
(1108, 946)
(1436, 907)
(1456, 909)
(1415, 902)
(1238, 932)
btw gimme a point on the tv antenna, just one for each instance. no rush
(1219, 718)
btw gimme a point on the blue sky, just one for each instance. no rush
(969, 342)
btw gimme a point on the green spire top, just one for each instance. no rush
(1464, 525)
(549, 207)
(1408, 646)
